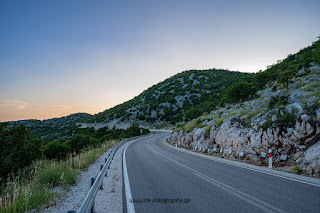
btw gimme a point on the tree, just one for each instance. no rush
(240, 91)
(17, 150)
(316, 52)
(286, 76)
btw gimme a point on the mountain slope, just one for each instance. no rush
(191, 93)
(171, 99)
(284, 117)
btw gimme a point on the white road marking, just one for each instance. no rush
(254, 201)
(221, 161)
(130, 206)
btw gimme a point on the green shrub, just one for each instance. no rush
(278, 101)
(220, 121)
(189, 127)
(267, 124)
(207, 130)
(287, 120)
(297, 170)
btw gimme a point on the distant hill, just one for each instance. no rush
(54, 122)
(50, 129)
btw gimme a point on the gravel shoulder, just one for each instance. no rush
(110, 199)
(107, 200)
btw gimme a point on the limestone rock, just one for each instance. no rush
(305, 117)
(318, 114)
(311, 159)
(295, 108)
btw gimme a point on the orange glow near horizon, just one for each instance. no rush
(15, 113)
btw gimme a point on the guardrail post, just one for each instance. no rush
(105, 160)
(92, 208)
(101, 187)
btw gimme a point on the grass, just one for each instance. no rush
(317, 94)
(189, 127)
(54, 173)
(207, 130)
(297, 170)
(26, 192)
(219, 121)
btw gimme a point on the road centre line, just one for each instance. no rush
(233, 164)
(249, 199)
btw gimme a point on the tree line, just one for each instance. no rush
(18, 149)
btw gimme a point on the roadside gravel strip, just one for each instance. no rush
(110, 199)
(107, 200)
(72, 200)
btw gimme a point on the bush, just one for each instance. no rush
(207, 130)
(189, 127)
(297, 170)
(278, 101)
(286, 120)
(220, 121)
(267, 124)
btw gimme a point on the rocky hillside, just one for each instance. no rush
(170, 100)
(285, 118)
(189, 94)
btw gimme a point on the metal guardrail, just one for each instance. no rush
(88, 203)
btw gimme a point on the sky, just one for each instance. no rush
(59, 57)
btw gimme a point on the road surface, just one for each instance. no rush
(163, 179)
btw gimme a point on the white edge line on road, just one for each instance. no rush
(233, 164)
(130, 206)
(243, 196)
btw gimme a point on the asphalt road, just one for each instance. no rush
(163, 179)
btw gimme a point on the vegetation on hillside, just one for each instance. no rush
(190, 94)
(34, 185)
(18, 150)
(180, 97)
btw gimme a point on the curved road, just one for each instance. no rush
(163, 179)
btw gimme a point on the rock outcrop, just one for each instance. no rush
(290, 128)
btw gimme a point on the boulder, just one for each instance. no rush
(297, 95)
(295, 108)
(305, 117)
(198, 134)
(263, 155)
(311, 159)
(318, 114)
(283, 157)
(241, 154)
(279, 93)
(274, 118)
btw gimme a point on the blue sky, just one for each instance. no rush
(61, 57)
